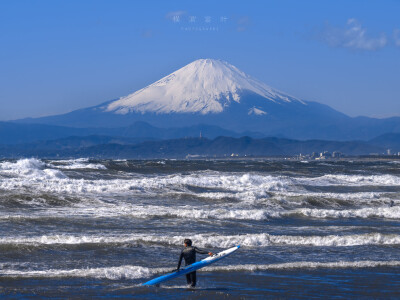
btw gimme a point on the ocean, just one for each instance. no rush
(88, 228)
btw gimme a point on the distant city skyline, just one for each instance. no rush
(61, 56)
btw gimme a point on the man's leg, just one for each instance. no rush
(188, 279)
(193, 277)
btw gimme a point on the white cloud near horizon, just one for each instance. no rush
(353, 36)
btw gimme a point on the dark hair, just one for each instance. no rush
(188, 242)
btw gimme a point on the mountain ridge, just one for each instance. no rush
(227, 98)
(17, 133)
(103, 147)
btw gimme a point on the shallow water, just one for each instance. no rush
(100, 228)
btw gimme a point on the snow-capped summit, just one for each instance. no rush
(203, 86)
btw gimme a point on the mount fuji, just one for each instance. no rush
(204, 86)
(216, 93)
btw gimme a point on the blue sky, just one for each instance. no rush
(57, 56)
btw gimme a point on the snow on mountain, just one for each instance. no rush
(256, 111)
(203, 86)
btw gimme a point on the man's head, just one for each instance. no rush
(187, 242)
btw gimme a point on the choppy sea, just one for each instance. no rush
(99, 228)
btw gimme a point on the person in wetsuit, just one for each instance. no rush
(189, 254)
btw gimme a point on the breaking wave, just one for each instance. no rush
(212, 240)
(38, 176)
(110, 210)
(33, 173)
(368, 212)
(352, 180)
(137, 272)
(112, 273)
(76, 164)
(307, 265)
(30, 168)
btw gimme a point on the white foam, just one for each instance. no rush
(77, 166)
(71, 161)
(96, 208)
(368, 212)
(306, 265)
(137, 272)
(143, 211)
(358, 196)
(29, 168)
(288, 196)
(264, 240)
(30, 174)
(352, 180)
(248, 187)
(112, 273)
(51, 173)
(23, 167)
(212, 240)
(73, 164)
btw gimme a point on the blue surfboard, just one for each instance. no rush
(193, 267)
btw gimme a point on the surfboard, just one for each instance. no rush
(193, 267)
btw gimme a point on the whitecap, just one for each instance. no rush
(212, 240)
(136, 272)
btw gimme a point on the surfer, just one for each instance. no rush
(189, 254)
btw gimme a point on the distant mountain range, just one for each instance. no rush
(141, 148)
(218, 95)
(17, 133)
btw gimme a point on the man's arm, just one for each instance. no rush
(180, 260)
(201, 251)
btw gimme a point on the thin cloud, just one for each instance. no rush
(353, 36)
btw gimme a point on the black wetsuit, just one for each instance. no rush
(189, 254)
